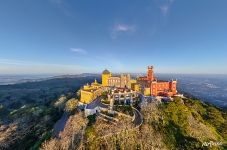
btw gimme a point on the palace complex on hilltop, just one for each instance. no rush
(148, 85)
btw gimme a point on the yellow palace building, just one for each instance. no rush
(90, 92)
(122, 81)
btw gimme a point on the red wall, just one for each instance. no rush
(159, 88)
(163, 88)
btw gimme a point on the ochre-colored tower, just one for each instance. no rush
(105, 76)
(150, 73)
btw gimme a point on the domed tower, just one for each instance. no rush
(105, 76)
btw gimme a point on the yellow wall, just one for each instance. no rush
(86, 97)
(147, 92)
(132, 84)
(105, 78)
(135, 87)
(89, 96)
(133, 81)
(90, 92)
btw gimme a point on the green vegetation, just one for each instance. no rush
(70, 105)
(182, 124)
(1, 107)
(104, 95)
(45, 136)
(177, 113)
(91, 119)
(28, 111)
(41, 121)
(3, 112)
(105, 101)
(126, 109)
(188, 123)
(214, 117)
(90, 132)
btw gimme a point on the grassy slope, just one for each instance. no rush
(188, 123)
(182, 124)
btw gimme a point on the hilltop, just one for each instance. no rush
(182, 124)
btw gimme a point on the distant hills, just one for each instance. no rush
(17, 79)
(210, 88)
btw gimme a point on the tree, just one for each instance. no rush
(1, 107)
(71, 105)
(60, 103)
(1, 111)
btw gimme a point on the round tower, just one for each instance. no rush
(105, 76)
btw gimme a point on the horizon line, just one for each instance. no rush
(68, 74)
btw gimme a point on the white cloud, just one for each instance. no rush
(78, 50)
(124, 28)
(165, 6)
(121, 28)
(164, 9)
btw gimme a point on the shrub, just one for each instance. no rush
(71, 105)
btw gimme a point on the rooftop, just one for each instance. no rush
(106, 71)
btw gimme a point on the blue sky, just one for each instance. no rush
(75, 36)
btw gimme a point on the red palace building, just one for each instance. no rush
(157, 87)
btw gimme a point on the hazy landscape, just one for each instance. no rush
(29, 111)
(209, 88)
(113, 75)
